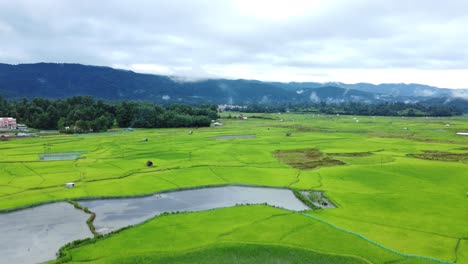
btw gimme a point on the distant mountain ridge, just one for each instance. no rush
(390, 89)
(57, 80)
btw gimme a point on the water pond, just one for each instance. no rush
(117, 213)
(34, 235)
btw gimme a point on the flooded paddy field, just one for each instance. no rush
(112, 214)
(35, 234)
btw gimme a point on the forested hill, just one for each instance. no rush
(54, 80)
(64, 80)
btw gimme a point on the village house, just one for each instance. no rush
(22, 127)
(7, 123)
(226, 107)
(242, 117)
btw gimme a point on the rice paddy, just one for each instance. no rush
(401, 194)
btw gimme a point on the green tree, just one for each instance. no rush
(125, 114)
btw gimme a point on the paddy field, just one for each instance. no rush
(400, 186)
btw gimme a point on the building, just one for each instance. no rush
(242, 117)
(226, 107)
(7, 123)
(22, 127)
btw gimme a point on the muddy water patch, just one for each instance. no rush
(35, 235)
(318, 199)
(305, 159)
(440, 156)
(112, 214)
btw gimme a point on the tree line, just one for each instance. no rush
(85, 114)
(384, 109)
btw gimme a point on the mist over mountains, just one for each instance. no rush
(56, 80)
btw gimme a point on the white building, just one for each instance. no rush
(7, 123)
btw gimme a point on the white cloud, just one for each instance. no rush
(314, 98)
(147, 68)
(377, 41)
(278, 10)
(425, 93)
(463, 94)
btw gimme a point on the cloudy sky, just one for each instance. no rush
(377, 41)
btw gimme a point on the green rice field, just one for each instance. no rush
(400, 186)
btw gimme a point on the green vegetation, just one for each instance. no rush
(81, 114)
(91, 218)
(243, 253)
(366, 109)
(304, 199)
(406, 203)
(247, 225)
(315, 197)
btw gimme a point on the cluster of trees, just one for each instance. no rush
(400, 109)
(84, 114)
(75, 114)
(384, 109)
(136, 114)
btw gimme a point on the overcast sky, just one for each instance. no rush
(377, 41)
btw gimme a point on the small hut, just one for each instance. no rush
(242, 117)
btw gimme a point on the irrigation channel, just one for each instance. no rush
(35, 234)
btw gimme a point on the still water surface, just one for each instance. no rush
(34, 235)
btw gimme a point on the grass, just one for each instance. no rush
(408, 203)
(243, 253)
(258, 225)
(91, 218)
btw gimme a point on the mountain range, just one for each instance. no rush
(58, 80)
